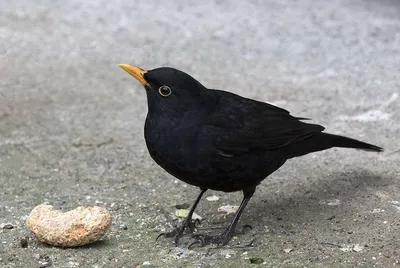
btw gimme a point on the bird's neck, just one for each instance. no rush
(167, 120)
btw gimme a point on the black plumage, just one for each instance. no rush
(218, 140)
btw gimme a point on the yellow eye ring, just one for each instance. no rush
(164, 91)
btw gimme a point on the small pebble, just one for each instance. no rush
(45, 261)
(147, 264)
(331, 218)
(7, 226)
(182, 206)
(183, 213)
(288, 250)
(212, 198)
(228, 209)
(23, 242)
(256, 260)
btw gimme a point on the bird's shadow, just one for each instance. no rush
(315, 200)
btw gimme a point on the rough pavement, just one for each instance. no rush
(71, 127)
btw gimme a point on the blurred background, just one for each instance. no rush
(71, 122)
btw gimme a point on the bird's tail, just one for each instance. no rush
(323, 141)
(344, 142)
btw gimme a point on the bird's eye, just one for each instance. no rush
(164, 91)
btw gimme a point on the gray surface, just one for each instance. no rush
(71, 125)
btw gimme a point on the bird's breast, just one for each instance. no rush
(171, 146)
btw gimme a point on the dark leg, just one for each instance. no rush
(224, 238)
(187, 222)
(190, 215)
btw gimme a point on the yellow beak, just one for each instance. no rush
(136, 72)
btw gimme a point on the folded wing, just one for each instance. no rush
(242, 125)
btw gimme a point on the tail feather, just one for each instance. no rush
(344, 142)
(323, 141)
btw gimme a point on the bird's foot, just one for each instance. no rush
(220, 240)
(177, 233)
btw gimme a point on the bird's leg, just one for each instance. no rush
(224, 238)
(187, 222)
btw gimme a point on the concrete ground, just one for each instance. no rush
(71, 127)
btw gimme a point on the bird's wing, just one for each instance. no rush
(240, 125)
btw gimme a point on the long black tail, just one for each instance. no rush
(323, 141)
(344, 142)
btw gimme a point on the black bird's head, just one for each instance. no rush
(168, 89)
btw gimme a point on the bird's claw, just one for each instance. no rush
(168, 234)
(177, 233)
(192, 224)
(199, 240)
(202, 240)
(219, 240)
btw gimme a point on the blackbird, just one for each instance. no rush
(218, 140)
